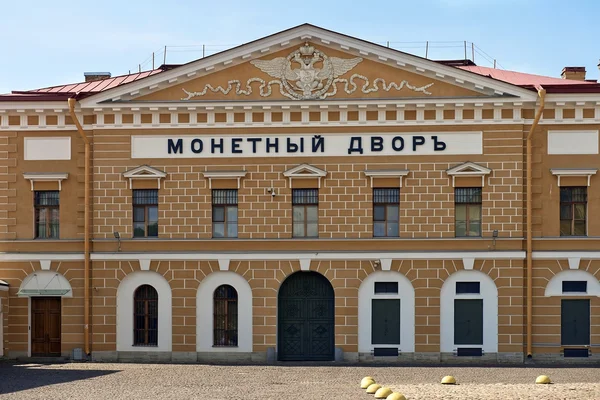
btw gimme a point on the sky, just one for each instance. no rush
(47, 43)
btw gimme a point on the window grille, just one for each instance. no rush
(145, 213)
(386, 212)
(145, 330)
(47, 214)
(225, 316)
(225, 213)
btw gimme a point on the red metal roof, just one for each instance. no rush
(84, 89)
(97, 86)
(81, 89)
(521, 78)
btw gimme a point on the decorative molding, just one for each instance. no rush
(45, 148)
(386, 264)
(144, 172)
(305, 264)
(352, 45)
(145, 264)
(268, 256)
(11, 257)
(286, 110)
(468, 169)
(387, 173)
(574, 262)
(223, 264)
(575, 172)
(572, 141)
(306, 82)
(46, 177)
(210, 175)
(468, 263)
(45, 265)
(562, 255)
(304, 171)
(554, 286)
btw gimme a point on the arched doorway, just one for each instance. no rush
(306, 318)
(45, 290)
(469, 314)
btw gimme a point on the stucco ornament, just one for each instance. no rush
(307, 82)
(307, 74)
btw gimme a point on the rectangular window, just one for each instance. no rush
(46, 205)
(145, 213)
(225, 213)
(467, 288)
(386, 287)
(574, 286)
(386, 212)
(573, 211)
(305, 207)
(467, 213)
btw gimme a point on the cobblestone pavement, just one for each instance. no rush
(210, 382)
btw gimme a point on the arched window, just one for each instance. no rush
(145, 316)
(225, 316)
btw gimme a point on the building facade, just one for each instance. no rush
(306, 196)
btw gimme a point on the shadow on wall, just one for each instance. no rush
(15, 377)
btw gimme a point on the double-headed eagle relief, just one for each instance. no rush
(307, 74)
(307, 82)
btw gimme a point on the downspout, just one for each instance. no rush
(86, 228)
(538, 115)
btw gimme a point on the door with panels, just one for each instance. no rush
(306, 318)
(45, 326)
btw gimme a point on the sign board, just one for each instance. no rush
(327, 145)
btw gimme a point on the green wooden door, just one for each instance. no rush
(306, 318)
(468, 321)
(385, 321)
(575, 322)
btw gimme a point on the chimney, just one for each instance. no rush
(96, 76)
(573, 73)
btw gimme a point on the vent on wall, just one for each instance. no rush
(576, 353)
(469, 352)
(385, 352)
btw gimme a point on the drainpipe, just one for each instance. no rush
(86, 228)
(538, 115)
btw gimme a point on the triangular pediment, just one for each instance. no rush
(309, 63)
(468, 169)
(144, 172)
(328, 74)
(305, 171)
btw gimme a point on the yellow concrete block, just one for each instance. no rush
(543, 379)
(396, 396)
(366, 382)
(383, 393)
(449, 380)
(373, 388)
